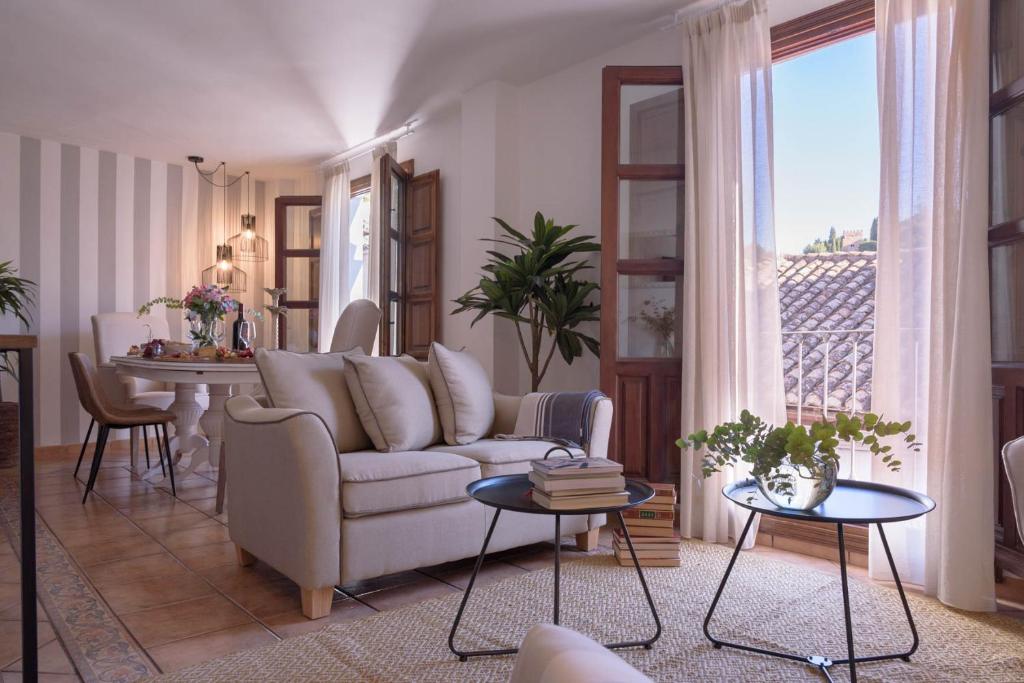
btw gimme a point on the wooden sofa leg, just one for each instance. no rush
(587, 540)
(316, 602)
(245, 558)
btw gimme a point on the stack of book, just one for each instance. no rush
(652, 530)
(578, 483)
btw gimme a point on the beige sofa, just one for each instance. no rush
(325, 518)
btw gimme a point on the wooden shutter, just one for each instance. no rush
(422, 258)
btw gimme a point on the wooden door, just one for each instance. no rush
(1006, 261)
(421, 319)
(297, 267)
(641, 265)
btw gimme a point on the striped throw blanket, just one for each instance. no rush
(564, 417)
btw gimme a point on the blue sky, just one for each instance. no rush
(826, 142)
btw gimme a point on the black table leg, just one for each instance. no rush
(464, 655)
(558, 560)
(646, 644)
(26, 426)
(821, 663)
(852, 661)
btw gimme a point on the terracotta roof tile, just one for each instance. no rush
(828, 293)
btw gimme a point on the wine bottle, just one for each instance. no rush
(236, 342)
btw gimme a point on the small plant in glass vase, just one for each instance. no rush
(796, 467)
(661, 321)
(205, 307)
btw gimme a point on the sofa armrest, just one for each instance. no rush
(284, 496)
(601, 430)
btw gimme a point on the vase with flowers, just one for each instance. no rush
(205, 307)
(661, 321)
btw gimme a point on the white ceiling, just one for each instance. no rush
(274, 83)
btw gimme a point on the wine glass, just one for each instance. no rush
(219, 329)
(247, 334)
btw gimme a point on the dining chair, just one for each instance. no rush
(1013, 461)
(357, 326)
(108, 415)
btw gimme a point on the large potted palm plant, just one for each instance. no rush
(16, 294)
(535, 283)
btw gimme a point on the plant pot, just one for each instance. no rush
(9, 442)
(810, 487)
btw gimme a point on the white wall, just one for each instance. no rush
(512, 151)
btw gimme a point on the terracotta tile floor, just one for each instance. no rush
(167, 569)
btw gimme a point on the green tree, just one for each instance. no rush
(816, 247)
(873, 233)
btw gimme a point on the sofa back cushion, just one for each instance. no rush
(314, 382)
(462, 391)
(394, 402)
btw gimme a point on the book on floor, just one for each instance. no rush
(596, 500)
(643, 512)
(558, 468)
(581, 485)
(642, 531)
(654, 562)
(634, 522)
(646, 542)
(665, 553)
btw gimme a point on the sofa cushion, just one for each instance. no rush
(373, 483)
(501, 456)
(394, 402)
(314, 382)
(462, 392)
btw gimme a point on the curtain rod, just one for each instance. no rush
(364, 148)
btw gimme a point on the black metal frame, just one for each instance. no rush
(820, 662)
(465, 655)
(101, 444)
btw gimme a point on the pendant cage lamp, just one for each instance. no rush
(223, 273)
(247, 244)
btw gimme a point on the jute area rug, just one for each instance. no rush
(768, 603)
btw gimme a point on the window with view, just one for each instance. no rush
(826, 204)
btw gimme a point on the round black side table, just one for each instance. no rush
(852, 502)
(512, 492)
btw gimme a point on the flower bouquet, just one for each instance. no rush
(205, 306)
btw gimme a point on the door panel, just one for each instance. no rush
(422, 271)
(641, 264)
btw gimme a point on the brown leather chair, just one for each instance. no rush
(110, 416)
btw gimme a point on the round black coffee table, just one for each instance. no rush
(513, 492)
(852, 502)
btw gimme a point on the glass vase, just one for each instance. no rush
(203, 333)
(810, 486)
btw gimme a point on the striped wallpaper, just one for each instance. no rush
(105, 232)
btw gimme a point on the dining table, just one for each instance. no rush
(186, 376)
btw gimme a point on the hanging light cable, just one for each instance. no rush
(223, 272)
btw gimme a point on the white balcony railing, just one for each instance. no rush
(827, 371)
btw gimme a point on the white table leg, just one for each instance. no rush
(187, 438)
(212, 422)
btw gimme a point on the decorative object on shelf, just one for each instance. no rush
(795, 466)
(247, 245)
(661, 321)
(205, 307)
(276, 311)
(16, 295)
(538, 287)
(223, 273)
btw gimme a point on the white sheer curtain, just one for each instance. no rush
(731, 327)
(334, 248)
(373, 258)
(932, 353)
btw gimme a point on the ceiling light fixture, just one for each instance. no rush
(223, 273)
(247, 245)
